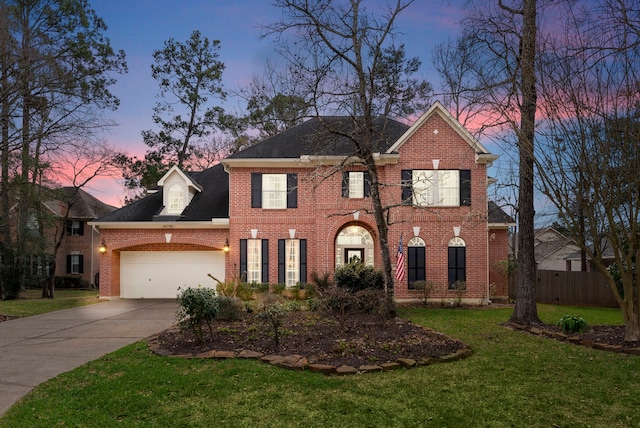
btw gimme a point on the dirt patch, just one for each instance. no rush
(363, 340)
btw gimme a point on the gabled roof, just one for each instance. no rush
(189, 180)
(83, 206)
(322, 136)
(497, 216)
(482, 154)
(212, 202)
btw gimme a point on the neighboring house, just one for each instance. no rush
(78, 255)
(552, 250)
(294, 204)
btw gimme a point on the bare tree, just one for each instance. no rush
(350, 58)
(491, 71)
(56, 71)
(590, 142)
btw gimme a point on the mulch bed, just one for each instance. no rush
(363, 340)
(602, 337)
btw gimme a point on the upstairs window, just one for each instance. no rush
(274, 191)
(436, 188)
(175, 200)
(355, 184)
(75, 228)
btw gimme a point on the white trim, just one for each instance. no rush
(214, 223)
(482, 154)
(306, 161)
(184, 176)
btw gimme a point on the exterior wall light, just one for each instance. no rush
(103, 247)
(226, 245)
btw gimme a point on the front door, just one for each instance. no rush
(353, 255)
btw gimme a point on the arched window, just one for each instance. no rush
(354, 243)
(457, 263)
(175, 199)
(416, 261)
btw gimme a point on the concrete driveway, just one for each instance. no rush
(38, 348)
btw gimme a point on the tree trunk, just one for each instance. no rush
(526, 311)
(631, 324)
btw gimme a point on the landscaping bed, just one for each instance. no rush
(361, 340)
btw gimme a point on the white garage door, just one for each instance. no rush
(158, 274)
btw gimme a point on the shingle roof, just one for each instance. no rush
(82, 205)
(211, 202)
(321, 136)
(497, 215)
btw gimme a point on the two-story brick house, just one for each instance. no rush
(79, 251)
(297, 203)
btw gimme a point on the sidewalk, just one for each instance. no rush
(35, 349)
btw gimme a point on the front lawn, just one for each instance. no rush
(513, 379)
(31, 302)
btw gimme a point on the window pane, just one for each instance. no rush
(75, 263)
(292, 262)
(449, 188)
(356, 184)
(254, 260)
(436, 188)
(274, 191)
(175, 199)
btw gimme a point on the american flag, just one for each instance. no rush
(400, 262)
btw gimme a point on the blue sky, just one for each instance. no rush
(139, 27)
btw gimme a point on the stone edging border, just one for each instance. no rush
(299, 362)
(574, 339)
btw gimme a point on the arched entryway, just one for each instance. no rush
(354, 242)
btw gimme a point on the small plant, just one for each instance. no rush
(197, 306)
(459, 288)
(273, 315)
(426, 288)
(573, 324)
(229, 308)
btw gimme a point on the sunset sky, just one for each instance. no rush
(139, 27)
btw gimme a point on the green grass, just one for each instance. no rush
(513, 379)
(31, 302)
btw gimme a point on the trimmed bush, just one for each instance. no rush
(198, 306)
(356, 276)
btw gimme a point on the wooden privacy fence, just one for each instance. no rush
(571, 289)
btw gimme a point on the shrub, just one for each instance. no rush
(71, 282)
(197, 306)
(425, 288)
(357, 276)
(573, 324)
(229, 308)
(273, 316)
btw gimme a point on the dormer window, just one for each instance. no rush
(175, 199)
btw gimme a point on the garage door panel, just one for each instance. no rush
(159, 274)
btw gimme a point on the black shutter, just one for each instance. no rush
(345, 184)
(243, 259)
(292, 190)
(465, 187)
(68, 263)
(265, 261)
(81, 228)
(69, 227)
(367, 185)
(303, 260)
(407, 184)
(281, 261)
(256, 190)
(81, 263)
